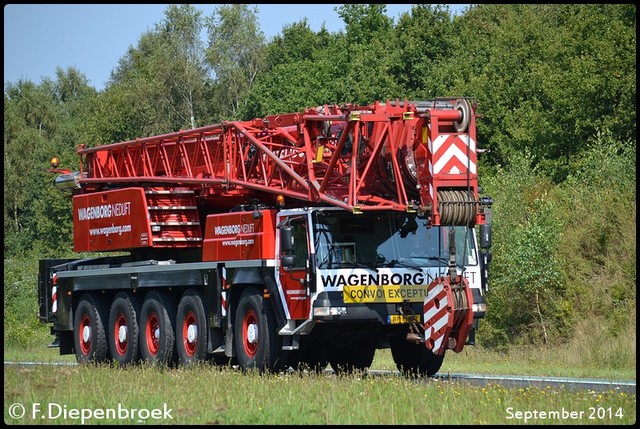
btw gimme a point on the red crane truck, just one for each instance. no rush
(296, 240)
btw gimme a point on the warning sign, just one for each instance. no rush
(400, 293)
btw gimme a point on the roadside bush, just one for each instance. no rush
(564, 254)
(526, 293)
(22, 327)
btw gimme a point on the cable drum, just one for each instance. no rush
(457, 208)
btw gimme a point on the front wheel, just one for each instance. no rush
(255, 332)
(414, 360)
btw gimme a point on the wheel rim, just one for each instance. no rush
(152, 333)
(250, 333)
(120, 334)
(190, 333)
(84, 334)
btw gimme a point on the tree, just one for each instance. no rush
(371, 53)
(160, 85)
(235, 53)
(303, 69)
(425, 37)
(547, 76)
(30, 121)
(41, 121)
(527, 292)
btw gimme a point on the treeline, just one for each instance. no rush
(555, 85)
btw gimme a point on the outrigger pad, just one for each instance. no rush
(447, 314)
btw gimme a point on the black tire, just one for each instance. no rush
(124, 329)
(311, 356)
(255, 334)
(414, 360)
(89, 336)
(191, 328)
(157, 338)
(357, 356)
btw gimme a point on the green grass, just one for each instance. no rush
(472, 360)
(205, 394)
(517, 361)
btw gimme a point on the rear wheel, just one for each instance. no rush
(89, 336)
(157, 319)
(191, 328)
(255, 333)
(124, 329)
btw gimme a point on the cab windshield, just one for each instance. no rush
(372, 240)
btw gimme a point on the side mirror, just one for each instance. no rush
(287, 261)
(286, 239)
(485, 236)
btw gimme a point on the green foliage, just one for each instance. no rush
(159, 86)
(526, 294)
(278, 90)
(21, 303)
(562, 252)
(371, 54)
(600, 239)
(548, 77)
(425, 38)
(236, 55)
(365, 22)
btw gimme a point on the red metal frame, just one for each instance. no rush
(374, 157)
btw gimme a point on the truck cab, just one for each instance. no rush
(342, 276)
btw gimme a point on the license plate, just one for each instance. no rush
(395, 319)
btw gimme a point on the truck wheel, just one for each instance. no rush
(355, 357)
(90, 339)
(414, 360)
(157, 319)
(405, 355)
(191, 328)
(429, 363)
(255, 334)
(311, 356)
(124, 329)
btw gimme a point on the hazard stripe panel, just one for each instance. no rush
(453, 154)
(438, 315)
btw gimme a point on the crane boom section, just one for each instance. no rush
(400, 155)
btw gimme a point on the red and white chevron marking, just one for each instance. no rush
(223, 295)
(54, 294)
(438, 316)
(449, 151)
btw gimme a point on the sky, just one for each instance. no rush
(38, 38)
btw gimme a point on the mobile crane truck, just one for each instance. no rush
(295, 240)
